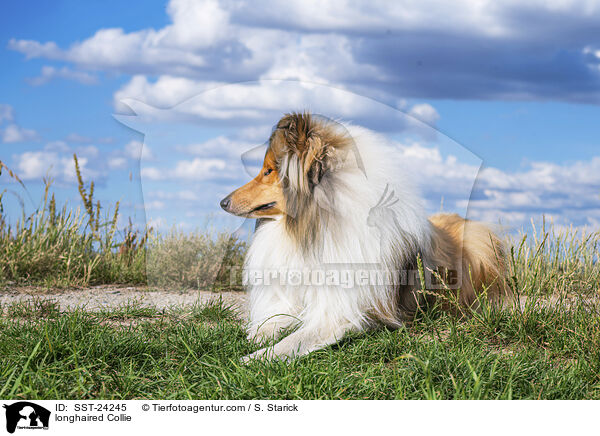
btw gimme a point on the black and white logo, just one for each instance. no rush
(26, 415)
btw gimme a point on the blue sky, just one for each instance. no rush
(512, 86)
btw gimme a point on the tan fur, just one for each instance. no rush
(263, 189)
(475, 252)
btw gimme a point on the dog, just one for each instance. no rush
(344, 243)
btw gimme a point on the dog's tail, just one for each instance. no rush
(473, 250)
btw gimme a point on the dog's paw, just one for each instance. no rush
(257, 355)
(264, 354)
(264, 335)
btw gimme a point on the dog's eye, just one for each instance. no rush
(269, 171)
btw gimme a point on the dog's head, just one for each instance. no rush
(303, 150)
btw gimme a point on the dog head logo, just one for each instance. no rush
(291, 172)
(26, 415)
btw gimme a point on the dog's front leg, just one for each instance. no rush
(271, 313)
(271, 328)
(299, 343)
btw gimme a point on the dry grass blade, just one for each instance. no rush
(11, 173)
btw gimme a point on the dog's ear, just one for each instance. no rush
(296, 129)
(304, 137)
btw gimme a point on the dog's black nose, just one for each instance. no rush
(225, 203)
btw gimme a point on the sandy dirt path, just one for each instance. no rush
(106, 297)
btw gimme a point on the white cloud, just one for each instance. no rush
(317, 58)
(49, 73)
(195, 25)
(446, 176)
(56, 161)
(569, 192)
(13, 133)
(35, 49)
(221, 145)
(196, 169)
(166, 91)
(34, 165)
(566, 179)
(425, 112)
(199, 169)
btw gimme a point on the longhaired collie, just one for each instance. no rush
(343, 243)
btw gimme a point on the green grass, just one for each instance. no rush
(535, 353)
